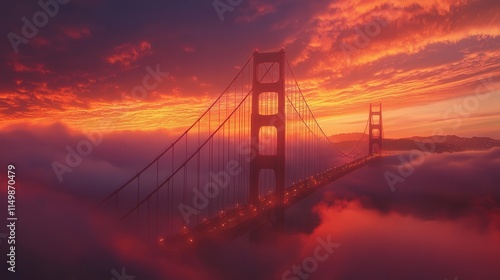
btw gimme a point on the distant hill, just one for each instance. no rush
(343, 137)
(448, 143)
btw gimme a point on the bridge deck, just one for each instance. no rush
(234, 222)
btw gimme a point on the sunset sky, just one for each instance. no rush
(70, 67)
(421, 59)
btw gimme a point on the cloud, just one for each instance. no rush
(445, 187)
(128, 53)
(443, 221)
(76, 32)
(62, 236)
(79, 70)
(257, 9)
(424, 52)
(402, 54)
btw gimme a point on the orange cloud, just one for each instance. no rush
(402, 54)
(414, 54)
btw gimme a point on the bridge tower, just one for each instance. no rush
(376, 132)
(275, 162)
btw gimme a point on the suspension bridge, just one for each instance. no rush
(257, 150)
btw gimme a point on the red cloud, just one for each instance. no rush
(127, 53)
(20, 67)
(75, 32)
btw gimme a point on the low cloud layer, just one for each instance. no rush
(442, 222)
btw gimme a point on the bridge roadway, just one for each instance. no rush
(242, 218)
